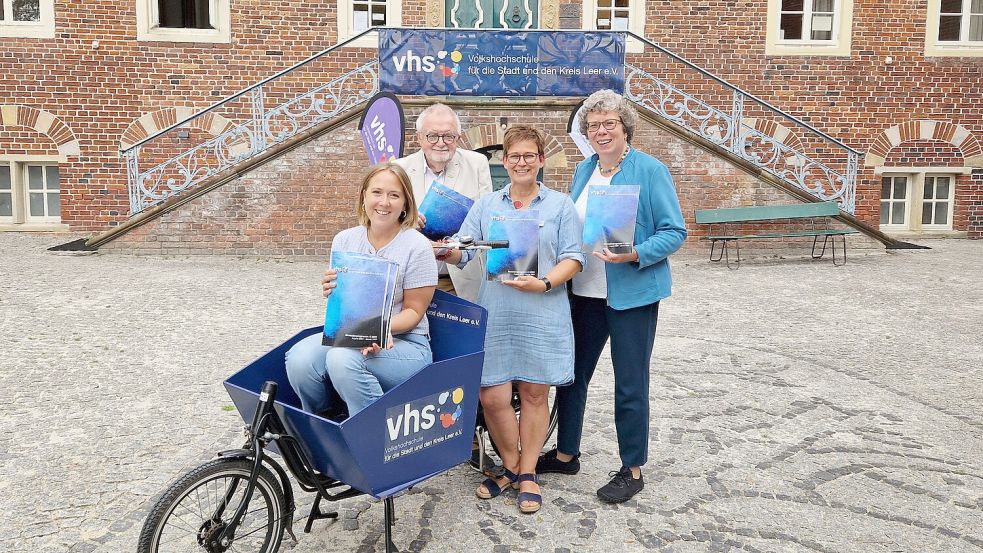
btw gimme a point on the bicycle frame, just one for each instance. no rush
(264, 428)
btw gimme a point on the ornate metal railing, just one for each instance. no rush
(745, 125)
(242, 126)
(229, 132)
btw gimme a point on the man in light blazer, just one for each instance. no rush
(437, 130)
(440, 160)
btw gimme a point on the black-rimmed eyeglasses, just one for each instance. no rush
(448, 138)
(608, 124)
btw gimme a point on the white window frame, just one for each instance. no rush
(916, 191)
(951, 200)
(839, 45)
(219, 16)
(909, 187)
(936, 48)
(45, 28)
(21, 219)
(394, 18)
(636, 21)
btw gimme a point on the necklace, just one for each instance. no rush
(518, 203)
(609, 170)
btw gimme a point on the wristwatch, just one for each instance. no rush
(549, 285)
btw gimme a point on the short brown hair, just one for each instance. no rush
(407, 219)
(519, 133)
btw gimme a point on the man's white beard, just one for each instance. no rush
(440, 157)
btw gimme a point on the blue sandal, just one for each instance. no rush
(492, 489)
(529, 496)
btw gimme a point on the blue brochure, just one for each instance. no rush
(610, 218)
(521, 229)
(444, 210)
(360, 306)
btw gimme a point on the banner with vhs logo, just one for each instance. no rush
(502, 63)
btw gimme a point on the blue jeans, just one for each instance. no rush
(359, 379)
(632, 334)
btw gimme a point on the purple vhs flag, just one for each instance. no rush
(382, 126)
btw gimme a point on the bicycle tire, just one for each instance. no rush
(169, 528)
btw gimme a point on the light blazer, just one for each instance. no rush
(467, 173)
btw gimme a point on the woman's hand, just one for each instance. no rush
(376, 348)
(606, 256)
(447, 255)
(328, 281)
(421, 221)
(526, 283)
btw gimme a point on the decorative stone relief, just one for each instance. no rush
(435, 13)
(549, 14)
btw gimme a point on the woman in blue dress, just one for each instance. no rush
(529, 337)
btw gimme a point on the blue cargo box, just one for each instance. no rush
(416, 430)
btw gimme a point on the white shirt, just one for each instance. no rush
(429, 177)
(592, 281)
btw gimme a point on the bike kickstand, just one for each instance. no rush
(390, 521)
(316, 514)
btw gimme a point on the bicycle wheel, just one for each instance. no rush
(195, 508)
(553, 414)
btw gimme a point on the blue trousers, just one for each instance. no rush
(632, 333)
(314, 369)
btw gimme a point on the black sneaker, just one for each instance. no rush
(622, 486)
(548, 462)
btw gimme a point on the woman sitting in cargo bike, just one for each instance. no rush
(411, 404)
(387, 219)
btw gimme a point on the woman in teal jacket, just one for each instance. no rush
(617, 295)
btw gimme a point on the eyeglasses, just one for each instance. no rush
(608, 124)
(528, 158)
(449, 138)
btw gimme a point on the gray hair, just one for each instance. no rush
(609, 100)
(434, 108)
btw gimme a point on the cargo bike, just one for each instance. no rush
(243, 500)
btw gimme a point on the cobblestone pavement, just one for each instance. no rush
(797, 406)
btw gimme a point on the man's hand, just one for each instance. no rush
(606, 256)
(444, 254)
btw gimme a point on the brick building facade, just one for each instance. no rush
(87, 79)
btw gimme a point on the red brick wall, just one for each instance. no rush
(853, 99)
(22, 141)
(925, 153)
(100, 92)
(974, 205)
(294, 205)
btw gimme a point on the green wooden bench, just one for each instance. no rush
(819, 212)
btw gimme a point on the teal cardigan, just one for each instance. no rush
(659, 230)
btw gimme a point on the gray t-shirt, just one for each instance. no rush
(410, 249)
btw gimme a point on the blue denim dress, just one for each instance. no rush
(529, 335)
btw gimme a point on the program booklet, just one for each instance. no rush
(521, 229)
(444, 210)
(610, 218)
(360, 306)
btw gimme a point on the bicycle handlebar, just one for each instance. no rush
(469, 243)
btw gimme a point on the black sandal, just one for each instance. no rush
(531, 497)
(492, 489)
